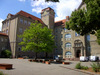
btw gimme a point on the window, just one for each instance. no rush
(7, 23)
(29, 23)
(56, 30)
(56, 37)
(19, 49)
(6, 40)
(88, 37)
(20, 30)
(21, 20)
(7, 31)
(2, 39)
(76, 34)
(3, 48)
(67, 36)
(89, 48)
(68, 54)
(56, 44)
(3, 25)
(56, 50)
(67, 45)
(65, 30)
(25, 22)
(20, 39)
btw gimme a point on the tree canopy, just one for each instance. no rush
(52, 0)
(37, 38)
(85, 21)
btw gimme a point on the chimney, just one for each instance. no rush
(67, 18)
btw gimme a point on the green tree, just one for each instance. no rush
(6, 53)
(37, 38)
(85, 21)
(52, 0)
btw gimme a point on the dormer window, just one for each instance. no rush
(29, 17)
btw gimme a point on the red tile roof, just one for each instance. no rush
(11, 14)
(48, 8)
(3, 34)
(60, 23)
(29, 16)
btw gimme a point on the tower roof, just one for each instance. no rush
(48, 8)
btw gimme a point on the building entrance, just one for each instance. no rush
(78, 48)
(78, 53)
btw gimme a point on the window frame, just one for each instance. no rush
(68, 46)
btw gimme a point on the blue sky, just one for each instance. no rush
(62, 8)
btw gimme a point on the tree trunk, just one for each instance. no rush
(35, 55)
(46, 55)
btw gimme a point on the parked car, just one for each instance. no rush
(83, 58)
(94, 58)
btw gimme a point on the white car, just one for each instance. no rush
(83, 58)
(94, 58)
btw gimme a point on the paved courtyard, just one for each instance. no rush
(24, 67)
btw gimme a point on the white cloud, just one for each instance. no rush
(62, 8)
(22, 0)
(1, 23)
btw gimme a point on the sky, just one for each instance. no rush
(62, 9)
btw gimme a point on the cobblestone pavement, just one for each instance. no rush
(24, 67)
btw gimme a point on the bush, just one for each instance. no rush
(6, 53)
(84, 67)
(1, 73)
(96, 67)
(78, 66)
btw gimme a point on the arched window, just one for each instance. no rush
(67, 36)
(68, 54)
(67, 45)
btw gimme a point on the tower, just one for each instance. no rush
(47, 16)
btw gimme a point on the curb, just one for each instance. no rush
(90, 73)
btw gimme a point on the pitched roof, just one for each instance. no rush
(25, 14)
(3, 34)
(11, 14)
(60, 23)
